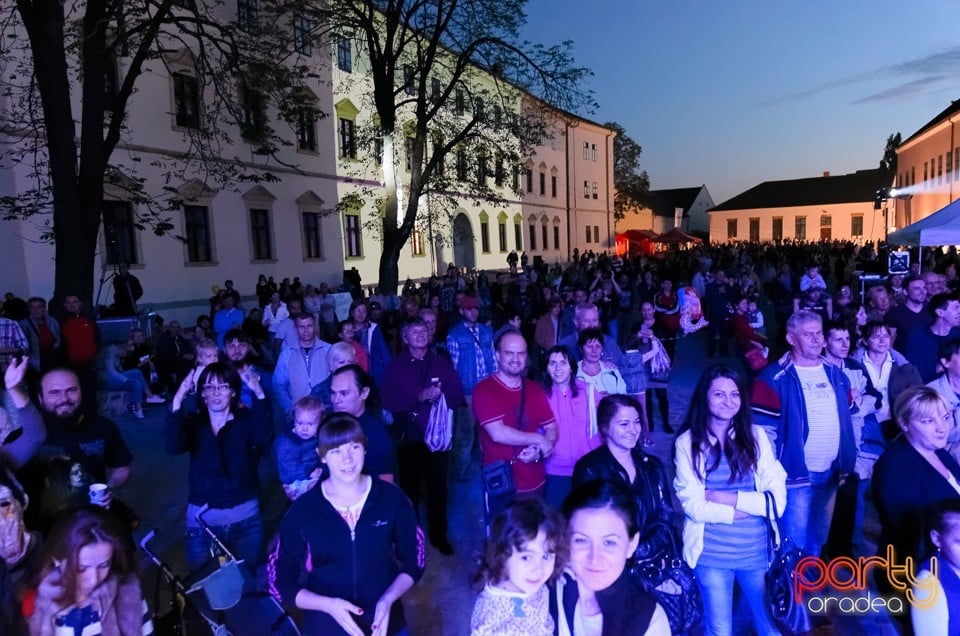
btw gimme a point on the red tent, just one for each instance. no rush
(636, 241)
(676, 235)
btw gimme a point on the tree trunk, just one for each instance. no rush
(76, 199)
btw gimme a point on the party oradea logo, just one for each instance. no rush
(842, 584)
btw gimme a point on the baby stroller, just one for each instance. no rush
(220, 599)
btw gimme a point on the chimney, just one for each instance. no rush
(826, 173)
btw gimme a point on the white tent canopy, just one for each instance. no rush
(940, 228)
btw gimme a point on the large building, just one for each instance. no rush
(820, 208)
(928, 168)
(293, 225)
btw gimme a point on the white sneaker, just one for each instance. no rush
(155, 399)
(137, 411)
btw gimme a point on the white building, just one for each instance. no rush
(287, 227)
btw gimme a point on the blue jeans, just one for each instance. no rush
(242, 538)
(716, 586)
(809, 511)
(134, 383)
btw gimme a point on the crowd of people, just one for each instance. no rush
(833, 387)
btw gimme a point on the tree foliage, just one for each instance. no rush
(70, 72)
(448, 79)
(889, 161)
(632, 184)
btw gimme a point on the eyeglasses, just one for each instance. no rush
(216, 388)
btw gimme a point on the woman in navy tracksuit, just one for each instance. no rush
(349, 548)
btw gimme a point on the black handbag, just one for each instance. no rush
(497, 476)
(673, 583)
(790, 616)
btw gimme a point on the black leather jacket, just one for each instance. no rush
(655, 520)
(627, 609)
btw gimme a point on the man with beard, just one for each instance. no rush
(516, 423)
(80, 450)
(238, 349)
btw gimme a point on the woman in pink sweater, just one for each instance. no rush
(574, 404)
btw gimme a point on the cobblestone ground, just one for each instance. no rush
(440, 605)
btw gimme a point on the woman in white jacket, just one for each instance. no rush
(724, 465)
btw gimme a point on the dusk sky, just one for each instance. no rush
(735, 93)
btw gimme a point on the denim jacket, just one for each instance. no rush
(779, 407)
(463, 353)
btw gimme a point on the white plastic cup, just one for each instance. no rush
(98, 494)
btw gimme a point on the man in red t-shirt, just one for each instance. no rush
(503, 436)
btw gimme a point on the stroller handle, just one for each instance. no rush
(210, 532)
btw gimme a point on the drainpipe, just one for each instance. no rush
(566, 155)
(606, 175)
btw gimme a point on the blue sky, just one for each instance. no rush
(734, 93)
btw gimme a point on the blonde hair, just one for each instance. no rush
(918, 402)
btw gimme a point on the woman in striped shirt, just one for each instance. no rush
(724, 466)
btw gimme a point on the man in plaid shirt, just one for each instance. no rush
(12, 341)
(471, 350)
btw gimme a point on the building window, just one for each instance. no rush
(544, 233)
(302, 28)
(556, 237)
(940, 169)
(482, 170)
(589, 235)
(197, 219)
(533, 237)
(516, 178)
(925, 174)
(596, 233)
(949, 164)
(553, 141)
(307, 129)
(777, 228)
(253, 127)
(586, 189)
(553, 186)
(260, 234)
(408, 148)
(478, 113)
(731, 228)
(518, 235)
(348, 145)
(502, 228)
(344, 55)
(186, 97)
(856, 226)
(543, 184)
(497, 116)
(956, 164)
(119, 233)
(593, 190)
(593, 151)
(586, 150)
(311, 235)
(913, 175)
(461, 165)
(352, 234)
(800, 228)
(409, 85)
(529, 175)
(248, 14)
(435, 90)
(498, 171)
(755, 230)
(416, 243)
(485, 237)
(825, 220)
(459, 102)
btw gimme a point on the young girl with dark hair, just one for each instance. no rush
(724, 465)
(525, 550)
